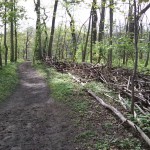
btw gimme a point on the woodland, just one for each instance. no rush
(98, 51)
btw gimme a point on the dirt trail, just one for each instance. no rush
(30, 120)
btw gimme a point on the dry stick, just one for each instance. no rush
(140, 109)
(119, 115)
(116, 112)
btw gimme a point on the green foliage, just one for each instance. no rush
(8, 80)
(60, 85)
(102, 145)
(129, 143)
(63, 89)
(85, 135)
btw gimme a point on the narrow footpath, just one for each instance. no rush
(31, 120)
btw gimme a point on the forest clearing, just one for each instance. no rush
(74, 75)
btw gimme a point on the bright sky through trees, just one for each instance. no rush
(80, 12)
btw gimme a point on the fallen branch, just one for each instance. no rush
(116, 112)
(121, 117)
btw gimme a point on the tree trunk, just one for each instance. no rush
(52, 30)
(5, 35)
(58, 48)
(110, 34)
(1, 64)
(12, 35)
(26, 46)
(44, 51)
(64, 45)
(101, 26)
(73, 34)
(91, 45)
(131, 20)
(148, 53)
(15, 30)
(37, 51)
(94, 21)
(136, 55)
(86, 42)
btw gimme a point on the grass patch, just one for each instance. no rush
(64, 89)
(86, 135)
(89, 135)
(8, 80)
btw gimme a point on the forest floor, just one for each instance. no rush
(31, 120)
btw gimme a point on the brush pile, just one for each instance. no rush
(118, 79)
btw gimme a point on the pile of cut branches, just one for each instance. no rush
(118, 79)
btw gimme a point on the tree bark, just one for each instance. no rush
(86, 42)
(1, 64)
(37, 51)
(101, 26)
(15, 30)
(136, 55)
(12, 34)
(110, 34)
(5, 35)
(52, 30)
(131, 20)
(94, 21)
(26, 46)
(73, 34)
(148, 53)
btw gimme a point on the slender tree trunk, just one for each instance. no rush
(73, 34)
(45, 44)
(101, 26)
(38, 51)
(45, 41)
(52, 30)
(26, 46)
(1, 64)
(148, 53)
(91, 45)
(131, 19)
(64, 45)
(136, 54)
(15, 30)
(86, 42)
(16, 44)
(5, 35)
(94, 21)
(58, 48)
(12, 34)
(110, 34)
(141, 36)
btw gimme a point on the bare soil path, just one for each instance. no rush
(31, 120)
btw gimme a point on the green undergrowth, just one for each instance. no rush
(65, 90)
(8, 80)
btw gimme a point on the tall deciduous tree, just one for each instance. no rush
(131, 18)
(73, 34)
(111, 7)
(15, 31)
(37, 49)
(86, 42)
(136, 53)
(94, 21)
(1, 63)
(12, 58)
(52, 30)
(101, 26)
(148, 52)
(45, 44)
(5, 33)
